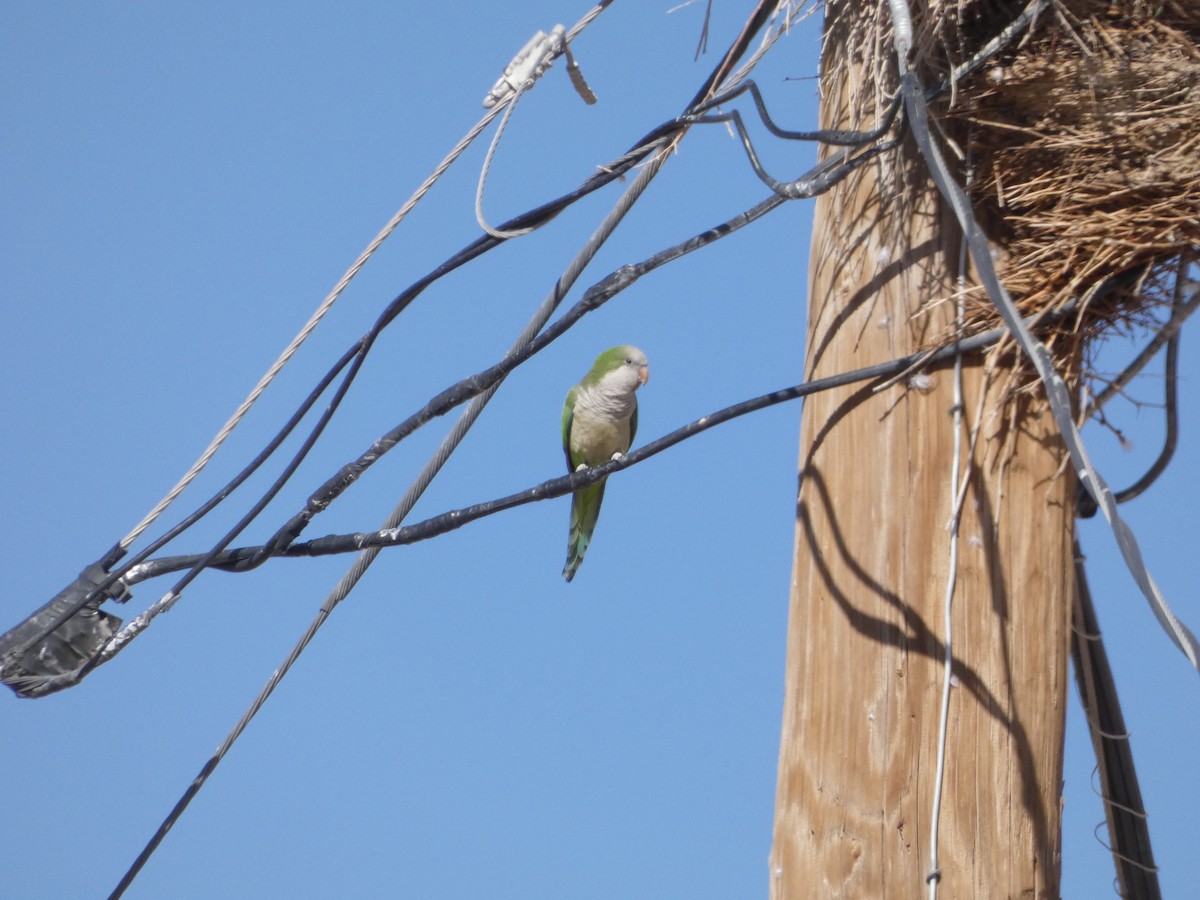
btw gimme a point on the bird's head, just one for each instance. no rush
(624, 367)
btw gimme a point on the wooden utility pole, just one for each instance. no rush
(866, 638)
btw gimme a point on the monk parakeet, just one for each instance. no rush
(599, 420)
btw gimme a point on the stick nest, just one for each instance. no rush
(1086, 144)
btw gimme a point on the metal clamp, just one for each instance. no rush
(527, 66)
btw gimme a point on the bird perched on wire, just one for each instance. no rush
(599, 421)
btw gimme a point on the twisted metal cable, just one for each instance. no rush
(366, 557)
(336, 292)
(451, 520)
(322, 309)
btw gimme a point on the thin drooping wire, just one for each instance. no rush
(786, 15)
(791, 190)
(1006, 36)
(1056, 390)
(837, 137)
(367, 556)
(487, 165)
(915, 107)
(702, 44)
(1185, 299)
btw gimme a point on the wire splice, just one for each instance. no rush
(527, 66)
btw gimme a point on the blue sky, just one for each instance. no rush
(184, 184)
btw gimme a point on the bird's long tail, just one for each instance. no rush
(585, 510)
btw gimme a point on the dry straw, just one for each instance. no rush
(1086, 143)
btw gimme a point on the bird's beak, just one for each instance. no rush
(644, 374)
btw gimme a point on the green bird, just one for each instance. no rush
(599, 421)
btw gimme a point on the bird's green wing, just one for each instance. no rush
(568, 414)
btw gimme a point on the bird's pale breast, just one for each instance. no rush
(594, 440)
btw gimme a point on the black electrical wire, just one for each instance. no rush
(236, 560)
(822, 178)
(841, 137)
(806, 186)
(531, 219)
(755, 23)
(1171, 399)
(1180, 310)
(355, 357)
(758, 18)
(833, 136)
(1124, 810)
(1003, 38)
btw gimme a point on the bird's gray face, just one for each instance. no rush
(634, 370)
